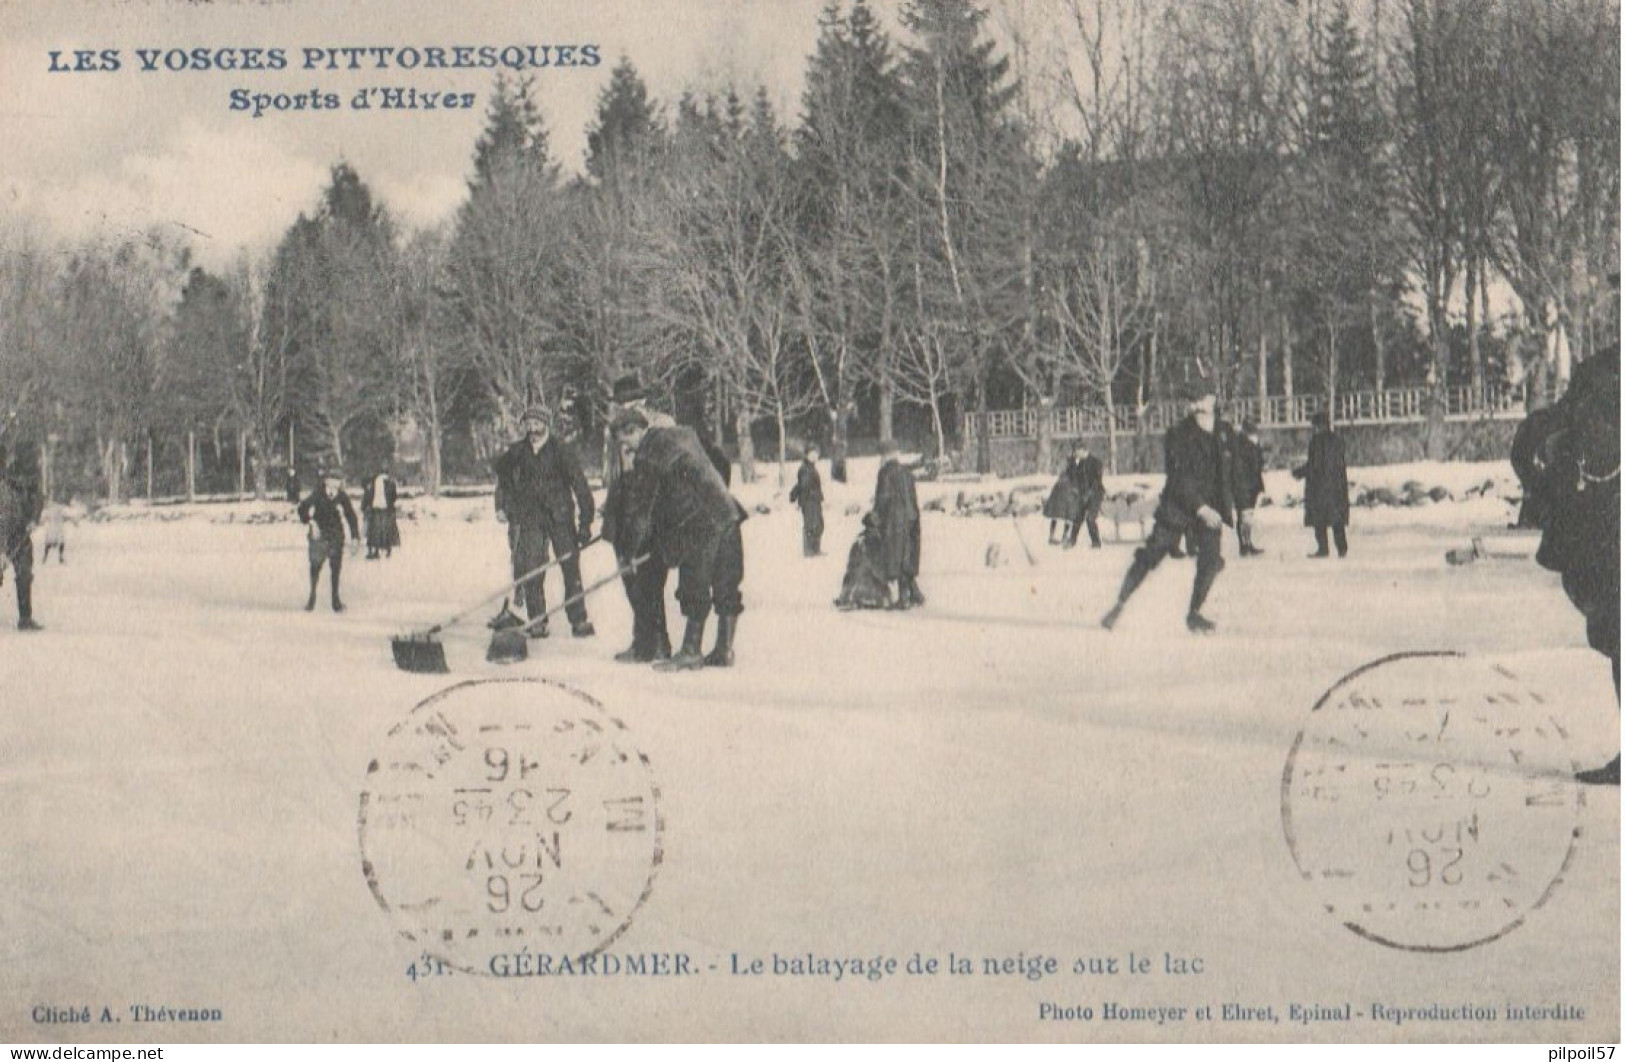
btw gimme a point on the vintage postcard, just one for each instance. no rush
(810, 520)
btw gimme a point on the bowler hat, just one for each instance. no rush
(627, 389)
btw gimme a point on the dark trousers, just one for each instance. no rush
(529, 545)
(812, 530)
(1339, 535)
(1091, 520)
(329, 551)
(710, 578)
(21, 552)
(1209, 562)
(646, 593)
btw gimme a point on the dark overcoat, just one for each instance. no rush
(897, 516)
(1198, 474)
(330, 515)
(809, 489)
(1065, 501)
(1091, 479)
(1248, 473)
(544, 488)
(675, 503)
(1325, 478)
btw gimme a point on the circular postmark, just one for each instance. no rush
(1430, 801)
(505, 815)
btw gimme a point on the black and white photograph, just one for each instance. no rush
(810, 521)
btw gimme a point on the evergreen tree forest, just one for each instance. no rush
(972, 209)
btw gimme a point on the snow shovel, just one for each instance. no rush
(420, 652)
(511, 645)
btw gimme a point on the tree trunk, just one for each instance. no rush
(984, 445)
(149, 472)
(242, 463)
(936, 424)
(1111, 430)
(1434, 443)
(1286, 358)
(888, 401)
(1475, 356)
(1263, 391)
(1046, 434)
(191, 466)
(747, 448)
(1379, 341)
(778, 420)
(838, 428)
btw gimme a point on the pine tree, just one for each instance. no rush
(627, 131)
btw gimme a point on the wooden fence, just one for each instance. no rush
(1394, 406)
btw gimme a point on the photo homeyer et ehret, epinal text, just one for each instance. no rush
(889, 520)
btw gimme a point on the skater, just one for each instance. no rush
(646, 586)
(541, 491)
(1064, 506)
(19, 512)
(1091, 481)
(864, 585)
(1195, 501)
(55, 525)
(325, 513)
(290, 484)
(1574, 469)
(378, 504)
(1325, 488)
(808, 493)
(897, 514)
(679, 511)
(713, 452)
(1249, 484)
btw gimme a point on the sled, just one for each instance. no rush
(421, 651)
(511, 644)
(1501, 543)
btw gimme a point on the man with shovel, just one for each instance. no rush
(541, 491)
(678, 511)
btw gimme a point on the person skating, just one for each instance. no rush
(1091, 482)
(543, 496)
(1325, 488)
(20, 507)
(378, 505)
(325, 513)
(290, 485)
(1195, 502)
(645, 585)
(897, 514)
(1573, 467)
(679, 511)
(1249, 485)
(808, 494)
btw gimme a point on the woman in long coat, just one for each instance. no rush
(378, 508)
(897, 515)
(1064, 506)
(1326, 488)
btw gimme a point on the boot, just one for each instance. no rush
(310, 602)
(723, 654)
(1197, 623)
(584, 629)
(25, 608)
(688, 658)
(1109, 620)
(912, 589)
(1605, 775)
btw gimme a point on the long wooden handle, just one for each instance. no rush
(533, 573)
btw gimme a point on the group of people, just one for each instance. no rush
(1215, 478)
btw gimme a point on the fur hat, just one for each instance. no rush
(540, 414)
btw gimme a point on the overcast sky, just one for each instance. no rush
(124, 150)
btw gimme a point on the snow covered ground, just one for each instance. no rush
(992, 776)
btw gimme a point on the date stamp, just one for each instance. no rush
(1429, 801)
(510, 814)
